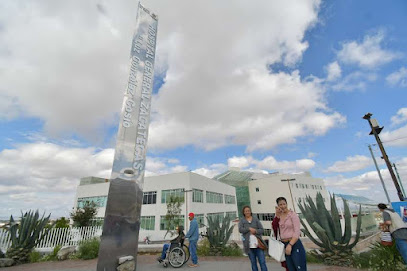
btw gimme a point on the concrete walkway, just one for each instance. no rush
(148, 263)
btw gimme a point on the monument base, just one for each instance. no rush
(121, 226)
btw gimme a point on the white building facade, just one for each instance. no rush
(202, 196)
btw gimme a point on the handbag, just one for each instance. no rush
(261, 243)
(276, 248)
(385, 239)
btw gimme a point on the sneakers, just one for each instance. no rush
(193, 265)
(159, 259)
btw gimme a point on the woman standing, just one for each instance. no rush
(289, 226)
(252, 230)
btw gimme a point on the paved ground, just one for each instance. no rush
(148, 263)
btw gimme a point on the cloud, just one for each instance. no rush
(58, 65)
(212, 170)
(43, 175)
(395, 137)
(398, 78)
(400, 117)
(355, 81)
(367, 54)
(270, 163)
(334, 71)
(352, 163)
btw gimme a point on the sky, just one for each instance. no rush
(262, 85)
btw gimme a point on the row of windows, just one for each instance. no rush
(148, 222)
(98, 201)
(265, 216)
(301, 185)
(212, 197)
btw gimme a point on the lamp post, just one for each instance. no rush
(289, 187)
(186, 209)
(376, 131)
(380, 175)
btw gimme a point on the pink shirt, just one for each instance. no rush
(290, 226)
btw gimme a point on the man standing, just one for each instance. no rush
(397, 228)
(193, 236)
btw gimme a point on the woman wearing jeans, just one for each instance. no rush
(289, 226)
(251, 228)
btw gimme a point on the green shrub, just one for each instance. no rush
(380, 258)
(314, 258)
(89, 249)
(52, 256)
(232, 250)
(361, 260)
(203, 247)
(35, 256)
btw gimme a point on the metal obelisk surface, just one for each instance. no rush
(122, 218)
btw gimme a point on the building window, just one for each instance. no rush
(214, 216)
(296, 185)
(147, 223)
(306, 186)
(98, 201)
(167, 194)
(200, 219)
(197, 195)
(150, 197)
(266, 232)
(265, 216)
(230, 199)
(257, 189)
(259, 202)
(164, 223)
(231, 215)
(212, 197)
(302, 186)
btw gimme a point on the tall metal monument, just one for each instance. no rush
(122, 218)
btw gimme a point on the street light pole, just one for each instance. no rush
(289, 187)
(186, 209)
(376, 131)
(380, 175)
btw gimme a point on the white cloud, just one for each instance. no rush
(334, 71)
(367, 54)
(398, 78)
(217, 89)
(396, 137)
(355, 81)
(367, 184)
(45, 176)
(352, 163)
(270, 163)
(212, 170)
(400, 117)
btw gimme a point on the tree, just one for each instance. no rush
(62, 223)
(173, 216)
(82, 217)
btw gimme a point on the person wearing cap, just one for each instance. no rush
(193, 236)
(397, 228)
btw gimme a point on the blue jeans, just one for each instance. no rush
(297, 261)
(401, 245)
(259, 254)
(192, 251)
(165, 248)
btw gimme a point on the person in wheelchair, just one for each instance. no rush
(179, 240)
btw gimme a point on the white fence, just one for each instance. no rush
(61, 236)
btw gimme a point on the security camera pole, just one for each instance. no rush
(376, 131)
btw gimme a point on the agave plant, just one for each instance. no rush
(26, 235)
(218, 233)
(335, 245)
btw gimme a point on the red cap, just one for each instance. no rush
(191, 215)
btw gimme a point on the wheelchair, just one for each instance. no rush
(177, 255)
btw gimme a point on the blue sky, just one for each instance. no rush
(276, 86)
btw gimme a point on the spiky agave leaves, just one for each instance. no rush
(219, 231)
(326, 225)
(26, 235)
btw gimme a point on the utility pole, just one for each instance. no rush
(380, 175)
(398, 176)
(376, 131)
(289, 187)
